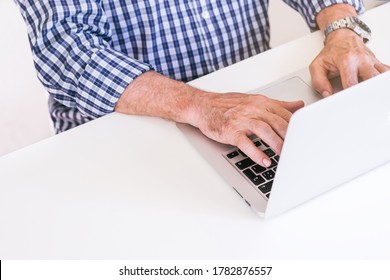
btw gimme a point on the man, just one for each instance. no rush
(95, 57)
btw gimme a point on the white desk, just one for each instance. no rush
(113, 189)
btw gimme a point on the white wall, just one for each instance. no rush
(286, 24)
(24, 117)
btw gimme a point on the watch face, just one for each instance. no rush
(361, 29)
(361, 24)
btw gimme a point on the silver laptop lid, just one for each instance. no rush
(331, 142)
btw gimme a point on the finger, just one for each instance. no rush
(349, 73)
(381, 67)
(367, 71)
(291, 106)
(264, 131)
(284, 109)
(276, 109)
(253, 152)
(276, 122)
(320, 81)
(280, 114)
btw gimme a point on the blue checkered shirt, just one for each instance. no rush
(87, 52)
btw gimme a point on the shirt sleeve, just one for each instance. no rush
(73, 55)
(310, 9)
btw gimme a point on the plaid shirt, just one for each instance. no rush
(87, 52)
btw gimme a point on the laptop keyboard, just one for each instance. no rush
(260, 177)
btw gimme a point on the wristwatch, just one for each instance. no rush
(352, 23)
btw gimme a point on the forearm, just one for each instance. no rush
(152, 94)
(332, 13)
(310, 12)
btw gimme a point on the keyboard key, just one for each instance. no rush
(267, 195)
(232, 154)
(257, 143)
(269, 174)
(258, 168)
(273, 163)
(269, 152)
(256, 179)
(242, 153)
(245, 163)
(266, 188)
(276, 158)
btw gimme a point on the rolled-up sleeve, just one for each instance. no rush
(310, 9)
(73, 56)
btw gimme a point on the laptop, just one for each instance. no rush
(329, 141)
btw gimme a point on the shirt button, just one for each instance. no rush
(206, 15)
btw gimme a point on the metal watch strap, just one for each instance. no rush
(352, 23)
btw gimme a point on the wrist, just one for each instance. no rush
(342, 35)
(199, 101)
(333, 13)
(351, 23)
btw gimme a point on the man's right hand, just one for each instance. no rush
(229, 118)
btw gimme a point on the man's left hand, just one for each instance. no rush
(344, 54)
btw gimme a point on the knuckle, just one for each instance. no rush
(285, 115)
(239, 139)
(280, 124)
(346, 59)
(261, 98)
(314, 65)
(350, 81)
(249, 107)
(263, 127)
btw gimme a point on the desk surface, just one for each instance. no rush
(133, 187)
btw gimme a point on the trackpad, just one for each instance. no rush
(291, 89)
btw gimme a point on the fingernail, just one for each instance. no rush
(267, 162)
(325, 93)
